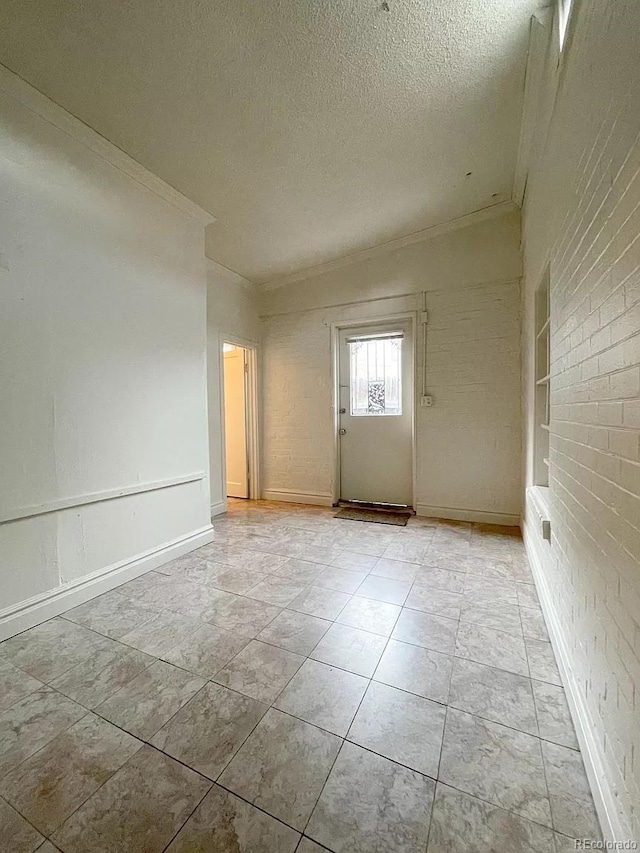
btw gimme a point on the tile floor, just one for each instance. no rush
(302, 683)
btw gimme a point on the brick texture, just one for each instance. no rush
(473, 373)
(297, 417)
(582, 217)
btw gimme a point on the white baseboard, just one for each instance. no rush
(297, 497)
(33, 611)
(453, 514)
(218, 508)
(612, 820)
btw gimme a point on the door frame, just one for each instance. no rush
(252, 412)
(336, 328)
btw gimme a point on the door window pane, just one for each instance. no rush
(375, 377)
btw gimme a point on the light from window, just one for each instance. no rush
(375, 375)
(564, 12)
(542, 377)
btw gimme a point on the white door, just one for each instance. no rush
(235, 421)
(376, 413)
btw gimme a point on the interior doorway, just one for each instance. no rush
(375, 413)
(239, 413)
(235, 420)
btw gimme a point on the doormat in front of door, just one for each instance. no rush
(377, 516)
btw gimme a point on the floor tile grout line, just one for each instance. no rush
(433, 806)
(209, 679)
(333, 763)
(373, 679)
(256, 806)
(370, 680)
(25, 818)
(546, 783)
(267, 642)
(529, 678)
(256, 637)
(494, 805)
(436, 781)
(61, 732)
(444, 734)
(143, 743)
(231, 758)
(537, 737)
(91, 795)
(182, 826)
(370, 571)
(73, 666)
(41, 684)
(317, 843)
(117, 690)
(147, 741)
(253, 697)
(307, 657)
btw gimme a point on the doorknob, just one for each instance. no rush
(342, 432)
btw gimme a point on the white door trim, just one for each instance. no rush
(336, 328)
(253, 413)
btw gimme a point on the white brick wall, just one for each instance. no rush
(582, 215)
(297, 420)
(469, 444)
(473, 373)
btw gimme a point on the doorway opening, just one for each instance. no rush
(374, 413)
(239, 405)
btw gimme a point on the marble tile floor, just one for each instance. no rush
(302, 683)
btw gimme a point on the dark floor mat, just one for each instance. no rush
(377, 516)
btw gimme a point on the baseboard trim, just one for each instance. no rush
(453, 514)
(297, 497)
(612, 820)
(33, 611)
(218, 508)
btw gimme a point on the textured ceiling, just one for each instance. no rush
(310, 128)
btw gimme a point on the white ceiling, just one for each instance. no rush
(310, 128)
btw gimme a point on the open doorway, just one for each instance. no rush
(236, 426)
(239, 395)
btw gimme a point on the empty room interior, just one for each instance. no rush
(320, 426)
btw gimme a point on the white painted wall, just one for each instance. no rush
(102, 363)
(469, 443)
(582, 215)
(231, 313)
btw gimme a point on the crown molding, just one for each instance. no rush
(482, 215)
(539, 27)
(219, 270)
(19, 90)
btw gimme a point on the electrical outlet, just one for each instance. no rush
(426, 400)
